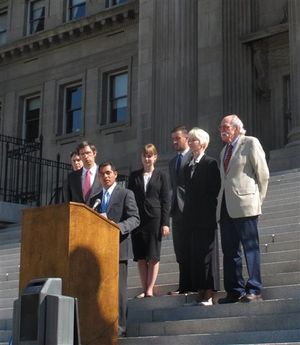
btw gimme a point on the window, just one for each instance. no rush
(72, 109)
(110, 3)
(117, 98)
(36, 16)
(3, 26)
(76, 9)
(31, 127)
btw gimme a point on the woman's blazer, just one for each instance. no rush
(155, 201)
(201, 193)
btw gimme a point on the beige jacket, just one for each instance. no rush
(246, 181)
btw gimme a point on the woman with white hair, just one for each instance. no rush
(202, 178)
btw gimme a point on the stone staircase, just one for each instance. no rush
(9, 277)
(179, 319)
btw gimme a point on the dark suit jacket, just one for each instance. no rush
(201, 193)
(122, 209)
(155, 201)
(178, 183)
(74, 188)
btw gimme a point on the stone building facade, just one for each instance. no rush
(121, 73)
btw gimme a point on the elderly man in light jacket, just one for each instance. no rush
(244, 175)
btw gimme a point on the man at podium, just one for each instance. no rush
(118, 204)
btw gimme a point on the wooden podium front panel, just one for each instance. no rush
(72, 242)
(94, 274)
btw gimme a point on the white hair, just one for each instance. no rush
(236, 122)
(200, 135)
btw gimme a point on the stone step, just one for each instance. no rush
(283, 213)
(13, 292)
(9, 257)
(8, 285)
(8, 243)
(283, 337)
(4, 246)
(167, 302)
(276, 229)
(5, 335)
(9, 276)
(6, 302)
(264, 238)
(266, 268)
(11, 229)
(193, 311)
(10, 251)
(268, 279)
(10, 269)
(282, 321)
(269, 292)
(283, 188)
(9, 263)
(6, 324)
(280, 221)
(284, 174)
(284, 201)
(168, 249)
(283, 206)
(266, 257)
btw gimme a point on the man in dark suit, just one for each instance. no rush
(84, 183)
(118, 204)
(244, 175)
(176, 170)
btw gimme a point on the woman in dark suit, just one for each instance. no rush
(150, 187)
(202, 181)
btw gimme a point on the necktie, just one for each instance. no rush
(87, 185)
(227, 156)
(178, 162)
(105, 202)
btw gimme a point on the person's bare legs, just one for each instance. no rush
(143, 271)
(153, 268)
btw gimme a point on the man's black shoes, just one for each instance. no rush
(230, 299)
(243, 298)
(251, 297)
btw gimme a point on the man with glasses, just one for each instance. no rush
(244, 182)
(83, 184)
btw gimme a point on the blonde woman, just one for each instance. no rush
(150, 187)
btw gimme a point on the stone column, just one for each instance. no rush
(238, 94)
(294, 32)
(167, 68)
(289, 156)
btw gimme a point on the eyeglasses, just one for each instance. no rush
(224, 127)
(86, 153)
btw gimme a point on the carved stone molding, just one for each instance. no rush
(105, 22)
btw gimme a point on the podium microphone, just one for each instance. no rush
(96, 204)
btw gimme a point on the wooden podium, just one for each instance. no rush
(73, 242)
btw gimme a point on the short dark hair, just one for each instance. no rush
(85, 143)
(180, 128)
(106, 163)
(75, 152)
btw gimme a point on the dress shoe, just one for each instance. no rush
(207, 302)
(121, 331)
(174, 293)
(251, 297)
(230, 299)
